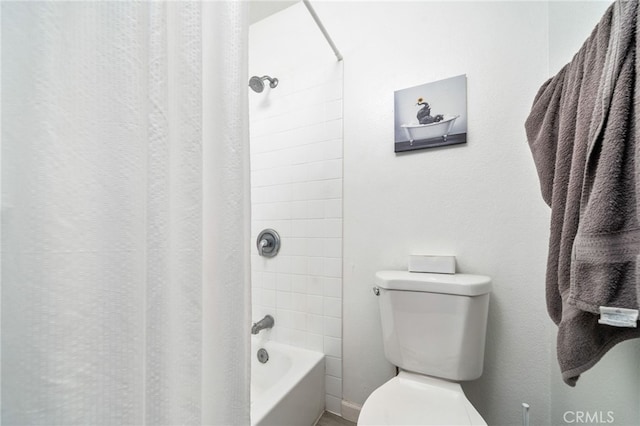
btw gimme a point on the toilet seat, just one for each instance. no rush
(414, 399)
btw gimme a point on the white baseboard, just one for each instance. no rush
(351, 411)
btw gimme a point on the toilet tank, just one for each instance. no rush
(434, 324)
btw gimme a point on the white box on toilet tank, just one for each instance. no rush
(431, 263)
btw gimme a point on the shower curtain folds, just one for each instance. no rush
(111, 301)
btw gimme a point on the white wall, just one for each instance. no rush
(611, 389)
(296, 184)
(479, 201)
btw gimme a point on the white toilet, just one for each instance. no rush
(433, 326)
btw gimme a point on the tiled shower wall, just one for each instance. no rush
(296, 189)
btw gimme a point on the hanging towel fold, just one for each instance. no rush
(582, 132)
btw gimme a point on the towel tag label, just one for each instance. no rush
(618, 317)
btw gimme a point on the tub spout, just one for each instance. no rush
(266, 322)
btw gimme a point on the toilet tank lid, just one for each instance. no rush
(459, 284)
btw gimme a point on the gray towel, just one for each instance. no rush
(582, 134)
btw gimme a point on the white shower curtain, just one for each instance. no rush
(125, 277)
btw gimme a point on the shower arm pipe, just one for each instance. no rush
(315, 17)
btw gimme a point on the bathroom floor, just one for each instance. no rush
(330, 419)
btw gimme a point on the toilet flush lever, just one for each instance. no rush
(376, 291)
(268, 243)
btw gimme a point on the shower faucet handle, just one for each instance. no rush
(264, 243)
(268, 243)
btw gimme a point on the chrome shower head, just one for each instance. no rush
(257, 83)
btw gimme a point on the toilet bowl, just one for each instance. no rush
(433, 328)
(413, 399)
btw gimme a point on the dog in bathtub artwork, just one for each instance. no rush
(431, 115)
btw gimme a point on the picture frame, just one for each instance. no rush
(431, 115)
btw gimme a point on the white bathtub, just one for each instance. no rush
(440, 129)
(288, 390)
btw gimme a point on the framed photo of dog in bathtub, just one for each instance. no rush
(431, 115)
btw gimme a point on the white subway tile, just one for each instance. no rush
(316, 266)
(283, 227)
(315, 247)
(315, 305)
(299, 302)
(284, 264)
(333, 129)
(256, 279)
(307, 82)
(332, 228)
(333, 109)
(332, 287)
(256, 297)
(333, 90)
(332, 189)
(255, 260)
(299, 228)
(299, 173)
(332, 267)
(332, 247)
(333, 404)
(316, 228)
(333, 366)
(259, 161)
(332, 149)
(261, 211)
(299, 321)
(315, 342)
(332, 169)
(270, 194)
(333, 346)
(283, 300)
(269, 280)
(316, 170)
(279, 193)
(284, 335)
(316, 151)
(315, 285)
(283, 318)
(268, 298)
(284, 282)
(333, 386)
(286, 248)
(332, 327)
(299, 155)
(256, 227)
(299, 265)
(314, 190)
(299, 284)
(270, 265)
(313, 133)
(315, 324)
(288, 139)
(283, 210)
(298, 338)
(332, 307)
(299, 210)
(278, 175)
(333, 208)
(259, 128)
(309, 114)
(294, 246)
(315, 209)
(259, 312)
